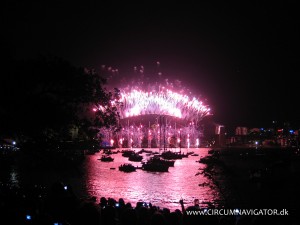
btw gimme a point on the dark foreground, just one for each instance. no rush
(247, 178)
(252, 178)
(58, 205)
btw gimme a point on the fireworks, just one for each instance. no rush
(162, 102)
(151, 112)
(155, 95)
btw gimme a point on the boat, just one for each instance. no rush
(127, 167)
(127, 153)
(107, 151)
(171, 155)
(163, 161)
(135, 157)
(106, 158)
(144, 151)
(155, 166)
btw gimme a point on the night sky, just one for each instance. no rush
(243, 58)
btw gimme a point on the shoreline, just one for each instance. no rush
(255, 178)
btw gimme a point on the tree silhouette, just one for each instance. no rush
(45, 97)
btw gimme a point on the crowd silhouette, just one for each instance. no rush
(59, 205)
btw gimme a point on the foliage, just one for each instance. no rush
(45, 97)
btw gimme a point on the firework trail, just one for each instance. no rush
(155, 95)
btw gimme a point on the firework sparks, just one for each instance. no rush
(162, 102)
(155, 95)
(153, 110)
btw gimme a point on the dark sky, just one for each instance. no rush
(243, 57)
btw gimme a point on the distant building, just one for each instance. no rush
(241, 131)
(220, 135)
(282, 136)
(7, 144)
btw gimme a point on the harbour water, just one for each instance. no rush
(103, 179)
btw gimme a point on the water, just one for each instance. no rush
(96, 178)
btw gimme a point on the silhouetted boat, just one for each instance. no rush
(163, 161)
(127, 167)
(107, 151)
(144, 151)
(127, 153)
(155, 166)
(105, 158)
(135, 157)
(171, 155)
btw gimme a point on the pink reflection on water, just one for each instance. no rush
(163, 189)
